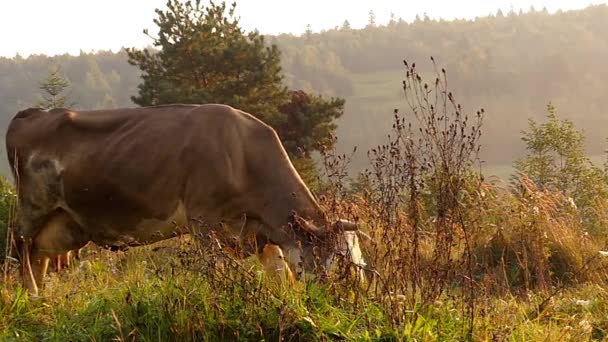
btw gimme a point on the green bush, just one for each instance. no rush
(7, 201)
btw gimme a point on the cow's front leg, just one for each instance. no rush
(33, 266)
(273, 260)
(59, 235)
(39, 266)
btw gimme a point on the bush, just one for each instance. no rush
(533, 238)
(7, 204)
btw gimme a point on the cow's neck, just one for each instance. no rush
(298, 200)
(306, 207)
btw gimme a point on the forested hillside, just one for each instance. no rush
(511, 64)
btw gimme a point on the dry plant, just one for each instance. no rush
(411, 200)
(437, 228)
(534, 239)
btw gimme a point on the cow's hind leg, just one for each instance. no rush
(62, 261)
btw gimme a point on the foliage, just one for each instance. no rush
(556, 156)
(450, 255)
(411, 199)
(204, 56)
(185, 290)
(7, 203)
(309, 122)
(533, 238)
(54, 86)
(556, 160)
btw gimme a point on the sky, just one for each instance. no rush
(69, 26)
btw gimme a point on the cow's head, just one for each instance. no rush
(321, 246)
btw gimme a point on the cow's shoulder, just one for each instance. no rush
(22, 114)
(227, 116)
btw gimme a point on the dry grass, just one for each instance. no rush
(450, 256)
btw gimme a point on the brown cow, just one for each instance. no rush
(130, 177)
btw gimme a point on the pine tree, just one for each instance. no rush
(346, 25)
(371, 22)
(54, 86)
(206, 57)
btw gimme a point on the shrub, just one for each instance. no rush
(7, 204)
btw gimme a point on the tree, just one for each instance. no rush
(371, 21)
(54, 85)
(556, 157)
(308, 31)
(556, 160)
(205, 57)
(309, 122)
(392, 22)
(345, 25)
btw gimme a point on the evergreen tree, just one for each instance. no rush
(371, 22)
(54, 86)
(206, 57)
(346, 25)
(392, 22)
(308, 31)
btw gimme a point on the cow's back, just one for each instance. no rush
(123, 171)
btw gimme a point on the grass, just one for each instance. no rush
(451, 257)
(182, 290)
(146, 296)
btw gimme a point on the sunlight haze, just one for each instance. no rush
(68, 26)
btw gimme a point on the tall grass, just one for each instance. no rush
(450, 256)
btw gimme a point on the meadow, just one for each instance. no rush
(451, 256)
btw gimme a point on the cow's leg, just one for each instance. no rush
(40, 264)
(27, 267)
(56, 263)
(275, 265)
(62, 261)
(67, 259)
(244, 237)
(269, 254)
(57, 236)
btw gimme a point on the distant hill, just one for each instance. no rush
(511, 64)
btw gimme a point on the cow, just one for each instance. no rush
(134, 176)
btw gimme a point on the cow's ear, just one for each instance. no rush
(344, 225)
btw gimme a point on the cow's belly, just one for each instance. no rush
(143, 231)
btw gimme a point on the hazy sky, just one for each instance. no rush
(60, 26)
